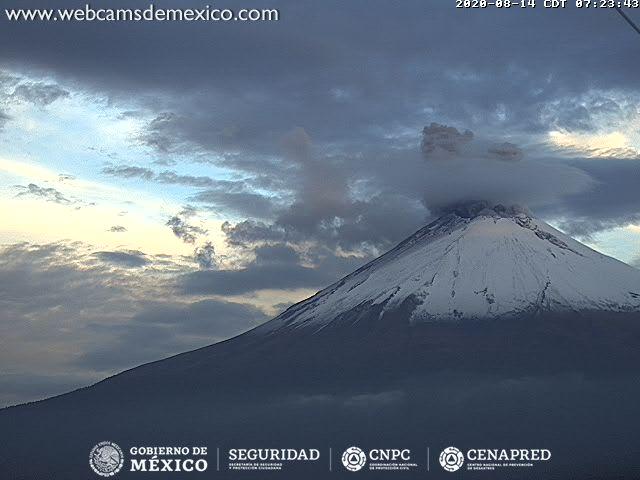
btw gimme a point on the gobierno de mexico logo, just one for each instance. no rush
(354, 459)
(106, 459)
(451, 459)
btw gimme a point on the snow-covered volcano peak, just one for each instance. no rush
(477, 261)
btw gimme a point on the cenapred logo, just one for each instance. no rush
(354, 459)
(106, 459)
(451, 459)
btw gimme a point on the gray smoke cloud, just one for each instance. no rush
(441, 139)
(477, 170)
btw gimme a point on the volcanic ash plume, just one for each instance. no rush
(462, 170)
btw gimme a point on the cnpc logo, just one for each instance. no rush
(354, 458)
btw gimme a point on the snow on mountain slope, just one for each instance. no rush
(478, 263)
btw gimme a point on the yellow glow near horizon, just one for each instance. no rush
(37, 221)
(591, 144)
(28, 219)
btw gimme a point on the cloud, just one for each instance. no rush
(15, 388)
(39, 93)
(507, 152)
(43, 272)
(589, 112)
(128, 171)
(534, 184)
(69, 316)
(322, 203)
(612, 200)
(4, 118)
(48, 295)
(243, 203)
(348, 110)
(166, 177)
(212, 318)
(117, 229)
(48, 194)
(298, 145)
(376, 400)
(255, 277)
(275, 266)
(173, 178)
(248, 232)
(162, 329)
(276, 254)
(366, 204)
(160, 133)
(313, 80)
(441, 139)
(205, 256)
(181, 227)
(231, 196)
(123, 259)
(496, 174)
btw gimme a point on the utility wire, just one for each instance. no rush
(628, 20)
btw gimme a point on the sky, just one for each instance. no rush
(164, 186)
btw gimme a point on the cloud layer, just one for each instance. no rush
(70, 316)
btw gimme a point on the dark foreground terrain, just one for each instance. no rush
(567, 383)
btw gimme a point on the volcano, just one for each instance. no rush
(478, 263)
(487, 326)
